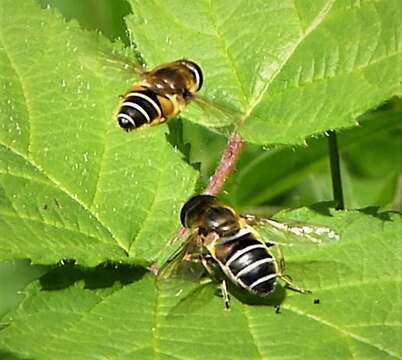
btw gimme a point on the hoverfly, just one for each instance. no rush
(220, 239)
(160, 94)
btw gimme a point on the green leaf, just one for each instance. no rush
(122, 313)
(14, 277)
(72, 184)
(290, 68)
(370, 155)
(104, 15)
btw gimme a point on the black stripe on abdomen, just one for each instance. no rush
(250, 261)
(138, 108)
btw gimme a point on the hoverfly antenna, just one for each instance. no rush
(194, 207)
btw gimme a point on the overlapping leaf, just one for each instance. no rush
(73, 185)
(370, 155)
(290, 68)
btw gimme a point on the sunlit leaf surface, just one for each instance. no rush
(74, 188)
(290, 68)
(120, 312)
(72, 183)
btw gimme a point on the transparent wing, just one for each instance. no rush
(112, 63)
(216, 114)
(185, 263)
(292, 234)
(179, 280)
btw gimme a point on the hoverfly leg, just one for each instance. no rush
(282, 270)
(287, 279)
(225, 295)
(207, 267)
(224, 290)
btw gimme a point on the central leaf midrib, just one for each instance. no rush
(226, 52)
(311, 28)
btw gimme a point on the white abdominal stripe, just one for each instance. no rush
(139, 108)
(239, 253)
(263, 279)
(253, 265)
(148, 99)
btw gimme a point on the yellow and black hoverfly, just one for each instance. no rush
(219, 237)
(160, 95)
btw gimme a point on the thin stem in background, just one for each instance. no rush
(223, 171)
(335, 170)
(226, 165)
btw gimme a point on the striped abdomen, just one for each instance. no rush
(140, 106)
(248, 264)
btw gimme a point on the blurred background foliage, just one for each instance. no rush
(267, 179)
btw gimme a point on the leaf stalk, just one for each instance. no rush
(227, 164)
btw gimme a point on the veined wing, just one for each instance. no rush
(216, 113)
(292, 233)
(184, 263)
(179, 279)
(112, 63)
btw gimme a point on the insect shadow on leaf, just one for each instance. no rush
(374, 211)
(103, 276)
(5, 355)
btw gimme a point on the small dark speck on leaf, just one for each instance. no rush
(316, 301)
(277, 309)
(45, 207)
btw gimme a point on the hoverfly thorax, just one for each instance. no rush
(221, 220)
(180, 77)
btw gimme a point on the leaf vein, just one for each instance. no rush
(313, 26)
(59, 186)
(24, 91)
(355, 337)
(226, 50)
(252, 333)
(41, 221)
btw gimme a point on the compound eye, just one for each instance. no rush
(194, 208)
(195, 71)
